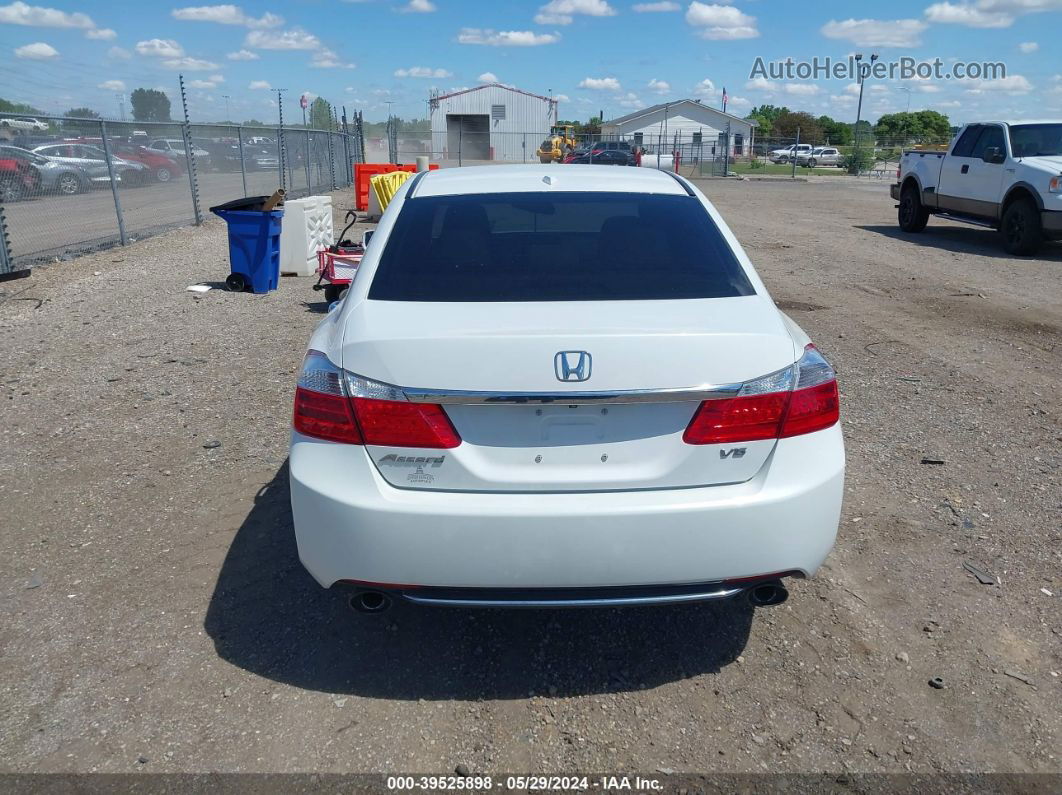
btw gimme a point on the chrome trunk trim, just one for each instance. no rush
(679, 395)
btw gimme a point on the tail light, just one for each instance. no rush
(338, 406)
(799, 399)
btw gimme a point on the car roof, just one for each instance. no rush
(531, 179)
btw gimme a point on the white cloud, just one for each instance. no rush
(659, 86)
(560, 12)
(112, 85)
(759, 84)
(705, 88)
(20, 13)
(190, 64)
(101, 34)
(1012, 84)
(505, 38)
(630, 100)
(601, 84)
(720, 22)
(842, 99)
(257, 85)
(243, 55)
(649, 8)
(877, 32)
(119, 53)
(561, 98)
(38, 51)
(852, 89)
(1028, 47)
(801, 89)
(738, 102)
(988, 13)
(208, 83)
(423, 71)
(488, 77)
(325, 58)
(160, 48)
(419, 7)
(226, 15)
(294, 39)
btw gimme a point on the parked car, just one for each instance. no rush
(610, 153)
(261, 158)
(788, 153)
(174, 147)
(27, 123)
(1003, 174)
(561, 389)
(24, 173)
(820, 156)
(160, 167)
(93, 161)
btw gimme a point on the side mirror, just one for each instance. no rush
(993, 154)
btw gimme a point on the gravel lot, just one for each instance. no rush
(157, 618)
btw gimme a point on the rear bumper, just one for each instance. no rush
(350, 524)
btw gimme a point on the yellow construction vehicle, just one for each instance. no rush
(561, 141)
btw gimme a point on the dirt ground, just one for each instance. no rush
(156, 618)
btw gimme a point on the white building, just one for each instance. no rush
(490, 122)
(686, 122)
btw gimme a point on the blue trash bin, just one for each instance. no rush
(254, 248)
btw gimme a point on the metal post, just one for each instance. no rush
(460, 141)
(796, 148)
(309, 190)
(243, 165)
(189, 156)
(280, 137)
(7, 260)
(114, 183)
(332, 146)
(726, 152)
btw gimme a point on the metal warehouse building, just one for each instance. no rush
(684, 121)
(490, 122)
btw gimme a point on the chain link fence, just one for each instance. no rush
(70, 186)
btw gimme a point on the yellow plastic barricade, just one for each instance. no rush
(385, 186)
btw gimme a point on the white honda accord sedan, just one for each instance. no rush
(561, 387)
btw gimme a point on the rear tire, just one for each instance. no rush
(1022, 228)
(163, 174)
(912, 215)
(812, 163)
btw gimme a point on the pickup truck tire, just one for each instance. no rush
(1021, 228)
(912, 215)
(812, 162)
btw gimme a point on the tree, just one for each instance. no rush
(7, 106)
(765, 116)
(82, 126)
(837, 133)
(150, 104)
(787, 123)
(923, 125)
(320, 115)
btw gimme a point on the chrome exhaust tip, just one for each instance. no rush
(769, 593)
(370, 602)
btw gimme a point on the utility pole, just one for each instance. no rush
(121, 105)
(859, 107)
(226, 98)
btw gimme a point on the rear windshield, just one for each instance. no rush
(556, 247)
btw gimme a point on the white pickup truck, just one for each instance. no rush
(1006, 175)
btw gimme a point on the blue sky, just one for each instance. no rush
(592, 54)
